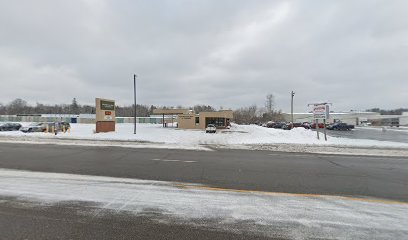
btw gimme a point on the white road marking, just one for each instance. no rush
(285, 155)
(328, 155)
(172, 160)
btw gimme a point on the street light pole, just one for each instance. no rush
(291, 106)
(134, 91)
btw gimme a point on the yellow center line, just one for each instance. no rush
(370, 200)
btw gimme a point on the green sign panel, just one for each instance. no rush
(107, 105)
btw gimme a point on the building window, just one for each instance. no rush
(197, 120)
(218, 122)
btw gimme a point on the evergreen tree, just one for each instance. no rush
(74, 106)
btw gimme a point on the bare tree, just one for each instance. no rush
(246, 115)
(3, 109)
(203, 108)
(17, 106)
(270, 103)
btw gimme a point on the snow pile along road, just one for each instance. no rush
(293, 216)
(237, 135)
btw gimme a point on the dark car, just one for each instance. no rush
(279, 125)
(340, 126)
(10, 126)
(35, 127)
(288, 126)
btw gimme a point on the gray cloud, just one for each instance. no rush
(223, 53)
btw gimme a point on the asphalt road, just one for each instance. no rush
(64, 222)
(378, 177)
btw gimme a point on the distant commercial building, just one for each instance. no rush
(188, 119)
(81, 118)
(354, 117)
(404, 119)
(220, 119)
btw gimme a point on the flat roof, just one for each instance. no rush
(173, 111)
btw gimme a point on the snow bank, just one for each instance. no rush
(277, 215)
(237, 135)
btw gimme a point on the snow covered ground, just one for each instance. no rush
(294, 216)
(237, 135)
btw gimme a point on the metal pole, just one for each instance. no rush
(317, 128)
(325, 136)
(134, 91)
(291, 106)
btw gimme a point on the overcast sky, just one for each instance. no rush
(222, 53)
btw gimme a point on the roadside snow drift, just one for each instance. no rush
(293, 216)
(238, 134)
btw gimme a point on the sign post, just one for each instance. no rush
(320, 111)
(324, 121)
(134, 91)
(105, 115)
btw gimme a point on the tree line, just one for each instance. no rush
(21, 107)
(255, 115)
(244, 115)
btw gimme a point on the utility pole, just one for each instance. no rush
(291, 106)
(134, 92)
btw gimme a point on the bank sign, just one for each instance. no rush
(321, 111)
(105, 110)
(107, 105)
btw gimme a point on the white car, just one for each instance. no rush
(34, 127)
(210, 128)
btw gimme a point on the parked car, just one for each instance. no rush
(270, 124)
(287, 126)
(340, 126)
(313, 126)
(395, 123)
(279, 125)
(211, 128)
(306, 125)
(10, 126)
(34, 127)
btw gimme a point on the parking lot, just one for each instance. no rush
(393, 135)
